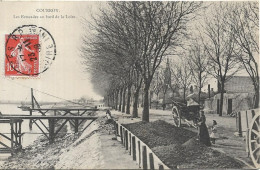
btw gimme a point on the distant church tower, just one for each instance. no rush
(167, 73)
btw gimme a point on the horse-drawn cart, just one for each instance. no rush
(189, 114)
(254, 139)
(248, 125)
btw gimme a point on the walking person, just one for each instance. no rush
(203, 130)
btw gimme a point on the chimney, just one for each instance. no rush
(209, 90)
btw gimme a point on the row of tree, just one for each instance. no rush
(129, 41)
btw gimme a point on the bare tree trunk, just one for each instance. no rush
(128, 99)
(221, 99)
(120, 99)
(116, 106)
(199, 94)
(145, 116)
(135, 104)
(124, 93)
(113, 100)
(164, 103)
(142, 101)
(256, 104)
(164, 98)
(184, 94)
(108, 103)
(136, 99)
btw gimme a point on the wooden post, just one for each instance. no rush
(76, 125)
(32, 98)
(30, 122)
(239, 124)
(130, 144)
(139, 153)
(12, 137)
(247, 142)
(16, 133)
(51, 130)
(20, 134)
(161, 167)
(134, 148)
(117, 129)
(121, 134)
(144, 156)
(126, 139)
(151, 161)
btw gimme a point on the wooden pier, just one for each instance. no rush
(57, 118)
(53, 128)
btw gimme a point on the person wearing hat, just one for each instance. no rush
(203, 133)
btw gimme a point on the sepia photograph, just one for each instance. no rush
(129, 85)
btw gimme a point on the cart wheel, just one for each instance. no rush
(176, 116)
(254, 140)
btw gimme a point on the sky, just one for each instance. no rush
(66, 77)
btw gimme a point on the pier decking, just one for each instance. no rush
(43, 117)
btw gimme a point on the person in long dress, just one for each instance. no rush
(203, 130)
(214, 135)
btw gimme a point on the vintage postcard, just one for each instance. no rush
(129, 85)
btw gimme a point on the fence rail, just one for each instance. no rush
(140, 152)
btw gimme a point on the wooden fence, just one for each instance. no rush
(140, 152)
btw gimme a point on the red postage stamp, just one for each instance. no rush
(22, 55)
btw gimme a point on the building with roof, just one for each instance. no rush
(238, 96)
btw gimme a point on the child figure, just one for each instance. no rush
(213, 135)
